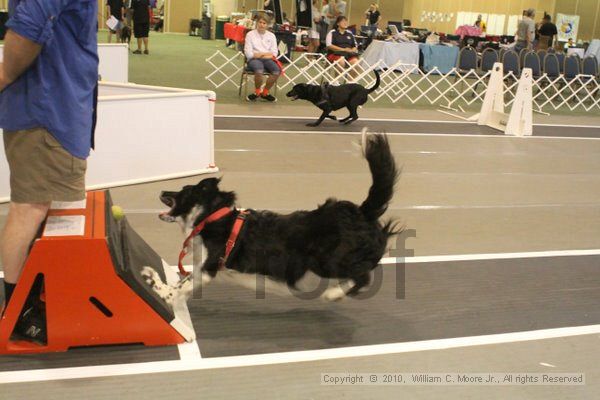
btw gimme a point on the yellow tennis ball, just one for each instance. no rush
(117, 212)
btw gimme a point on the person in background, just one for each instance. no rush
(341, 44)
(525, 31)
(548, 29)
(339, 8)
(161, 17)
(47, 109)
(326, 14)
(313, 35)
(115, 8)
(373, 16)
(141, 24)
(480, 23)
(568, 44)
(261, 52)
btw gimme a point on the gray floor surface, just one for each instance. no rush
(462, 195)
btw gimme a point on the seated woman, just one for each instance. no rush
(341, 44)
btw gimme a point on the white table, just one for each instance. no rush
(594, 49)
(391, 53)
(575, 50)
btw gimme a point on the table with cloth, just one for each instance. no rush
(391, 53)
(440, 56)
(594, 49)
(235, 32)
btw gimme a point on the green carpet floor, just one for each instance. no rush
(178, 60)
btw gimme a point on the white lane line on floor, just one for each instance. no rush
(468, 257)
(489, 256)
(407, 134)
(289, 357)
(427, 121)
(191, 350)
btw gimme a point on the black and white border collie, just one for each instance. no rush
(338, 240)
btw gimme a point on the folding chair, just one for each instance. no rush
(488, 58)
(589, 69)
(561, 61)
(522, 54)
(572, 71)
(246, 73)
(466, 64)
(542, 54)
(510, 63)
(551, 69)
(532, 60)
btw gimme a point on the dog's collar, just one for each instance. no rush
(217, 215)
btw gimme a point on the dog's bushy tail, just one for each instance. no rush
(376, 150)
(377, 82)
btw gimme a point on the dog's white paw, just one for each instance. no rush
(335, 293)
(153, 279)
(206, 278)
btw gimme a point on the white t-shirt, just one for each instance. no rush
(257, 43)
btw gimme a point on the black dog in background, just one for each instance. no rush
(330, 98)
(339, 239)
(125, 34)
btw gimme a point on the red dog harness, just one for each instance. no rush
(235, 231)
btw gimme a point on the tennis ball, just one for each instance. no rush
(117, 212)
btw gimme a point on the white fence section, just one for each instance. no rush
(113, 61)
(144, 134)
(408, 83)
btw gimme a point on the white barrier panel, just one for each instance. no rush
(113, 61)
(145, 134)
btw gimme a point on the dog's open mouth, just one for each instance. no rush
(169, 201)
(292, 96)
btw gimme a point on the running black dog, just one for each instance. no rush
(339, 239)
(330, 98)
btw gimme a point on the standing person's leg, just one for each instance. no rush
(31, 192)
(109, 39)
(22, 225)
(138, 33)
(145, 38)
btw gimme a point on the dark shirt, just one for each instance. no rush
(344, 40)
(548, 29)
(141, 14)
(373, 16)
(115, 8)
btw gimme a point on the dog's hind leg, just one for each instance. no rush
(352, 117)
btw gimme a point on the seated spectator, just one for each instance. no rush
(341, 44)
(261, 52)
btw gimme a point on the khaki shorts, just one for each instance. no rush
(41, 170)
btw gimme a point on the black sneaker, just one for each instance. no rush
(268, 97)
(252, 97)
(31, 325)
(137, 52)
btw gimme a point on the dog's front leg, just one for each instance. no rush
(321, 118)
